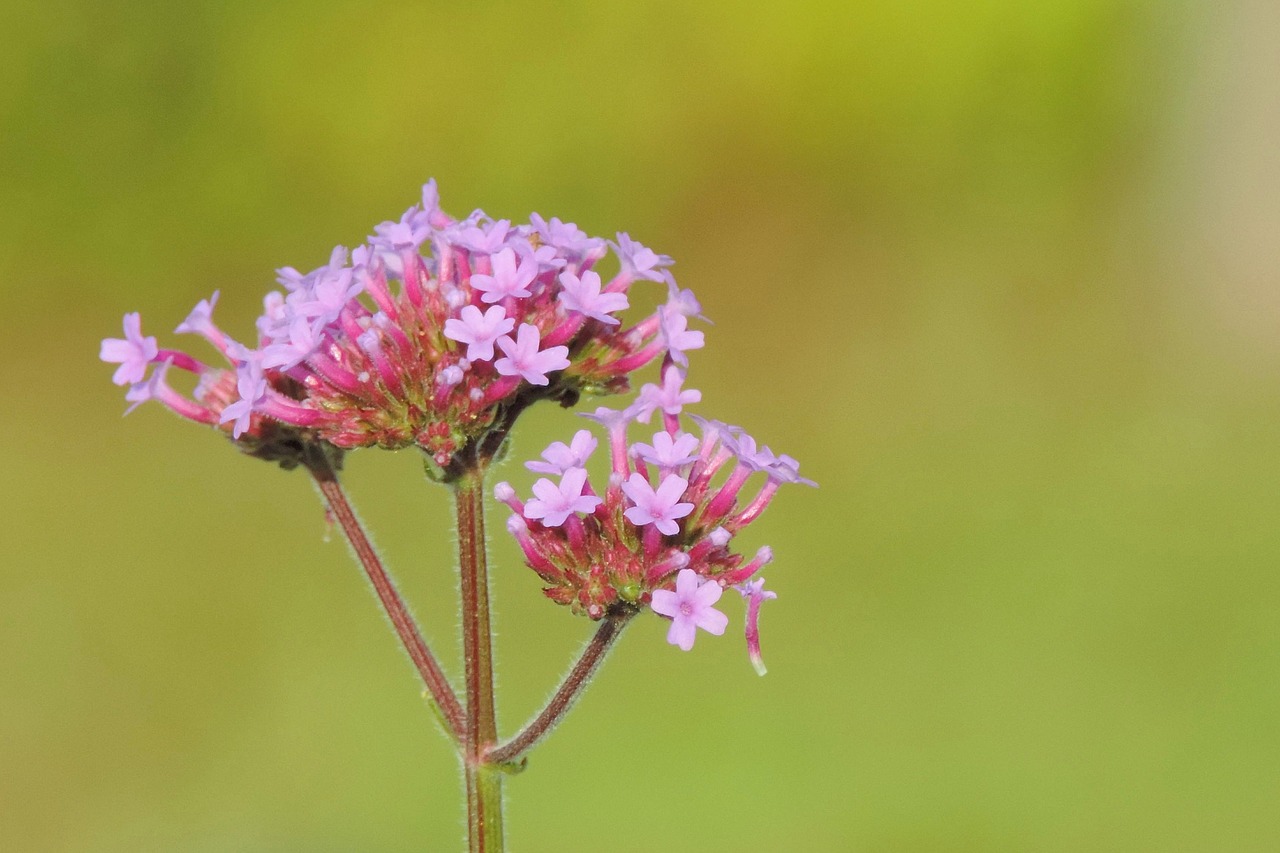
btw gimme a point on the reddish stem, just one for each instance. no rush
(568, 691)
(433, 676)
(483, 779)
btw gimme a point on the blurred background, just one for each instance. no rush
(1002, 275)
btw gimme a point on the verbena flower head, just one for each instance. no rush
(660, 533)
(435, 333)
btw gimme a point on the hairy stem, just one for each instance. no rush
(568, 692)
(451, 712)
(483, 778)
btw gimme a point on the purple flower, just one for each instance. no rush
(273, 314)
(524, 359)
(507, 279)
(483, 239)
(548, 258)
(200, 320)
(748, 452)
(611, 419)
(660, 507)
(560, 457)
(479, 331)
(670, 398)
(689, 607)
(304, 338)
(133, 352)
(755, 594)
(566, 236)
(785, 469)
(668, 451)
(674, 326)
(682, 301)
(583, 295)
(332, 290)
(409, 233)
(554, 504)
(252, 386)
(431, 205)
(639, 261)
(151, 389)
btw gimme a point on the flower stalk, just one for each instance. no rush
(326, 479)
(514, 750)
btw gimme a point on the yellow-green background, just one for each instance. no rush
(1003, 275)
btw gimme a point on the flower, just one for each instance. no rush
(660, 507)
(133, 352)
(435, 333)
(638, 261)
(523, 358)
(755, 594)
(583, 295)
(554, 504)
(508, 280)
(632, 546)
(670, 397)
(676, 334)
(689, 607)
(479, 331)
(668, 451)
(560, 457)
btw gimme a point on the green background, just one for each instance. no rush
(1002, 275)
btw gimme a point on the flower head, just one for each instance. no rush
(435, 333)
(649, 532)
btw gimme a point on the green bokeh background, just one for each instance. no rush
(1003, 275)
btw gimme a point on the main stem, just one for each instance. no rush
(483, 778)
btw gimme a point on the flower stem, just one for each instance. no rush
(483, 777)
(326, 479)
(568, 691)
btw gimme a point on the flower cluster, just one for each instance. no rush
(660, 533)
(436, 332)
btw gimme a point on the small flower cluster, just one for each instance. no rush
(660, 533)
(436, 333)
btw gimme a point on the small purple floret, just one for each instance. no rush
(560, 457)
(524, 359)
(509, 280)
(554, 504)
(479, 331)
(670, 397)
(668, 451)
(689, 607)
(660, 507)
(133, 352)
(583, 295)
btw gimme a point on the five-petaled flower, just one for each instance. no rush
(689, 607)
